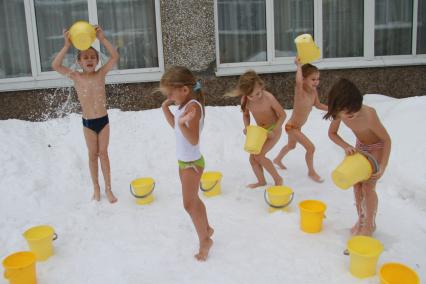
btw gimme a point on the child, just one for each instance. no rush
(345, 104)
(90, 88)
(181, 88)
(267, 113)
(305, 97)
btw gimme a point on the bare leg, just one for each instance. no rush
(92, 146)
(291, 144)
(371, 202)
(103, 142)
(195, 207)
(358, 204)
(309, 157)
(258, 171)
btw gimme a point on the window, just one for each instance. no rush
(421, 28)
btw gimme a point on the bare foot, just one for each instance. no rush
(110, 196)
(315, 177)
(96, 193)
(366, 231)
(257, 184)
(279, 181)
(279, 164)
(355, 229)
(210, 232)
(204, 250)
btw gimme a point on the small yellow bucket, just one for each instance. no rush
(364, 253)
(307, 50)
(20, 268)
(397, 273)
(142, 189)
(39, 239)
(255, 138)
(353, 169)
(210, 183)
(278, 197)
(82, 35)
(312, 212)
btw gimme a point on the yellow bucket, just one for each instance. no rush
(210, 183)
(39, 240)
(307, 50)
(278, 197)
(255, 138)
(82, 35)
(20, 268)
(353, 169)
(312, 213)
(396, 273)
(142, 189)
(364, 253)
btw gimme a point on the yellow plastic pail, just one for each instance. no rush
(278, 197)
(364, 253)
(397, 273)
(39, 239)
(307, 50)
(210, 183)
(312, 212)
(20, 268)
(353, 169)
(142, 189)
(82, 35)
(255, 138)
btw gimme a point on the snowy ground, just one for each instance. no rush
(44, 179)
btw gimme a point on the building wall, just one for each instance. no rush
(189, 40)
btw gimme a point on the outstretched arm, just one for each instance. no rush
(59, 58)
(114, 56)
(319, 105)
(332, 133)
(299, 75)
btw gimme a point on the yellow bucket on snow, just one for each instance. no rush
(20, 268)
(210, 183)
(278, 197)
(353, 169)
(82, 35)
(39, 239)
(142, 189)
(307, 50)
(255, 138)
(397, 273)
(364, 253)
(312, 212)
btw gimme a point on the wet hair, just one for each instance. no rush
(80, 51)
(245, 86)
(178, 77)
(308, 69)
(343, 96)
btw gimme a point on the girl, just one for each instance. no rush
(267, 113)
(181, 88)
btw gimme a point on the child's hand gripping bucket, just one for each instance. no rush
(142, 189)
(39, 240)
(255, 138)
(312, 212)
(210, 183)
(395, 273)
(20, 268)
(307, 50)
(278, 197)
(353, 169)
(82, 35)
(364, 253)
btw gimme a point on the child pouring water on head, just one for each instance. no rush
(90, 87)
(345, 105)
(268, 113)
(305, 97)
(182, 89)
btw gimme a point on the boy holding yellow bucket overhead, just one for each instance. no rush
(268, 114)
(181, 88)
(305, 97)
(90, 88)
(345, 105)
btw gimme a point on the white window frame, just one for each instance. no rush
(51, 79)
(286, 64)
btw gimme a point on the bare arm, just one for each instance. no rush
(279, 111)
(246, 114)
(319, 105)
(189, 123)
(332, 133)
(59, 58)
(167, 113)
(114, 56)
(299, 76)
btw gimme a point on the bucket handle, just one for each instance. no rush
(281, 206)
(55, 237)
(142, 196)
(209, 189)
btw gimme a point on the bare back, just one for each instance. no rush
(90, 89)
(263, 111)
